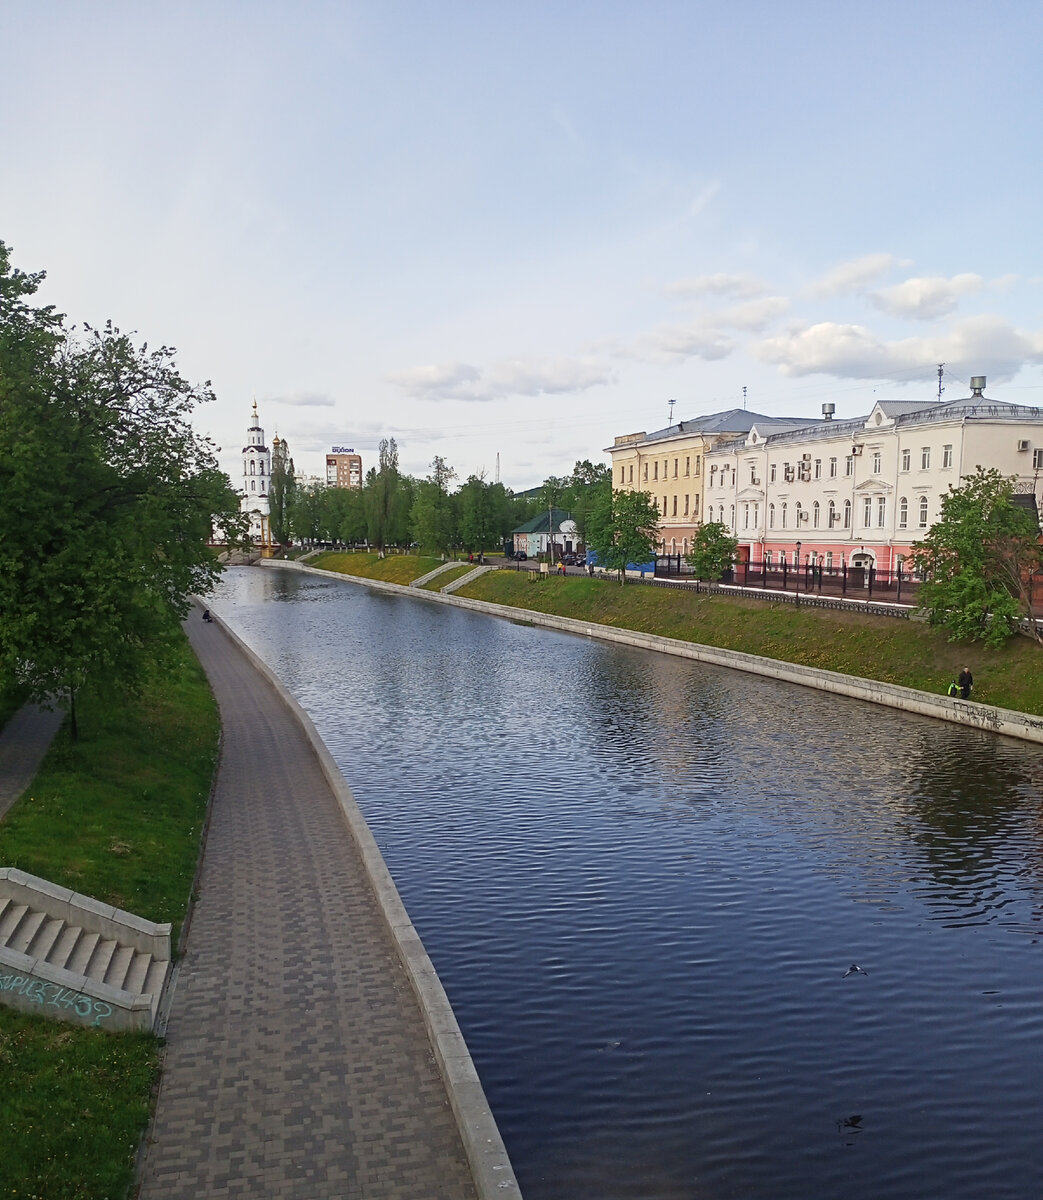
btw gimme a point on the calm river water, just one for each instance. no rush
(642, 880)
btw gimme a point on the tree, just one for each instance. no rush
(590, 483)
(623, 528)
(282, 486)
(713, 551)
(111, 495)
(484, 513)
(434, 516)
(385, 498)
(977, 562)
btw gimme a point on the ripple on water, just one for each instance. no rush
(642, 879)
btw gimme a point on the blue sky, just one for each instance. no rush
(523, 228)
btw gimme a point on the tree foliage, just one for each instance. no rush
(713, 551)
(623, 528)
(111, 499)
(386, 499)
(978, 561)
(282, 488)
(434, 516)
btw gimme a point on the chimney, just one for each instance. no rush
(977, 386)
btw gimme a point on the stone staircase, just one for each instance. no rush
(67, 956)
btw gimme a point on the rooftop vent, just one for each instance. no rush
(827, 411)
(977, 384)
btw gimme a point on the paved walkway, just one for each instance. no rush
(24, 740)
(297, 1062)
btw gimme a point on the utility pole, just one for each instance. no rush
(941, 369)
(670, 411)
(744, 398)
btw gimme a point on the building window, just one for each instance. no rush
(818, 468)
(847, 514)
(797, 514)
(695, 507)
(771, 516)
(684, 545)
(622, 476)
(832, 514)
(907, 460)
(815, 514)
(881, 511)
(655, 469)
(745, 516)
(253, 467)
(756, 515)
(925, 458)
(832, 468)
(646, 472)
(849, 465)
(767, 558)
(261, 467)
(753, 472)
(686, 506)
(867, 511)
(796, 558)
(947, 456)
(675, 468)
(731, 516)
(664, 506)
(903, 513)
(253, 485)
(782, 510)
(713, 476)
(687, 466)
(829, 560)
(674, 513)
(1037, 460)
(876, 462)
(698, 463)
(631, 472)
(773, 472)
(923, 512)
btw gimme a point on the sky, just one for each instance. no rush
(507, 232)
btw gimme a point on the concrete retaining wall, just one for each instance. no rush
(1026, 726)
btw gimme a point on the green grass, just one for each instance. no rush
(910, 653)
(448, 576)
(73, 1107)
(116, 815)
(396, 568)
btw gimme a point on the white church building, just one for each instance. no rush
(257, 473)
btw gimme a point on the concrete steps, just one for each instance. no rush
(68, 956)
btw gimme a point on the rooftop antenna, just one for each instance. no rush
(744, 399)
(941, 371)
(497, 466)
(670, 415)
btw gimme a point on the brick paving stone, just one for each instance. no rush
(297, 1062)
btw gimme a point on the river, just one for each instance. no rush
(643, 880)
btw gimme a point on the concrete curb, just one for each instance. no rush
(486, 1153)
(1025, 726)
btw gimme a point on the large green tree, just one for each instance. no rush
(484, 511)
(713, 550)
(386, 499)
(623, 528)
(978, 561)
(282, 488)
(434, 511)
(111, 499)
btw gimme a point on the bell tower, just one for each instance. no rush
(257, 473)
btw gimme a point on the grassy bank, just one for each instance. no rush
(396, 568)
(909, 653)
(116, 815)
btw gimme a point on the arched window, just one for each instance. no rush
(832, 513)
(771, 516)
(923, 512)
(903, 513)
(731, 515)
(847, 514)
(253, 467)
(673, 545)
(253, 485)
(815, 514)
(796, 514)
(783, 511)
(684, 545)
(261, 465)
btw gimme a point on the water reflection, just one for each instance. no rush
(642, 880)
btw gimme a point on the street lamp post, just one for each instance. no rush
(798, 575)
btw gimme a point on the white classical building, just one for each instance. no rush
(860, 492)
(257, 473)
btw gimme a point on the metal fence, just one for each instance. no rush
(856, 583)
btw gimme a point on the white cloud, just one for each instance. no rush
(853, 276)
(987, 344)
(755, 315)
(926, 297)
(738, 286)
(507, 377)
(671, 342)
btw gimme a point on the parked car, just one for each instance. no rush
(520, 556)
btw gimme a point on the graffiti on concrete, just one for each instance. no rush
(53, 995)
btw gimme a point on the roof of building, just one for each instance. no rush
(539, 524)
(732, 420)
